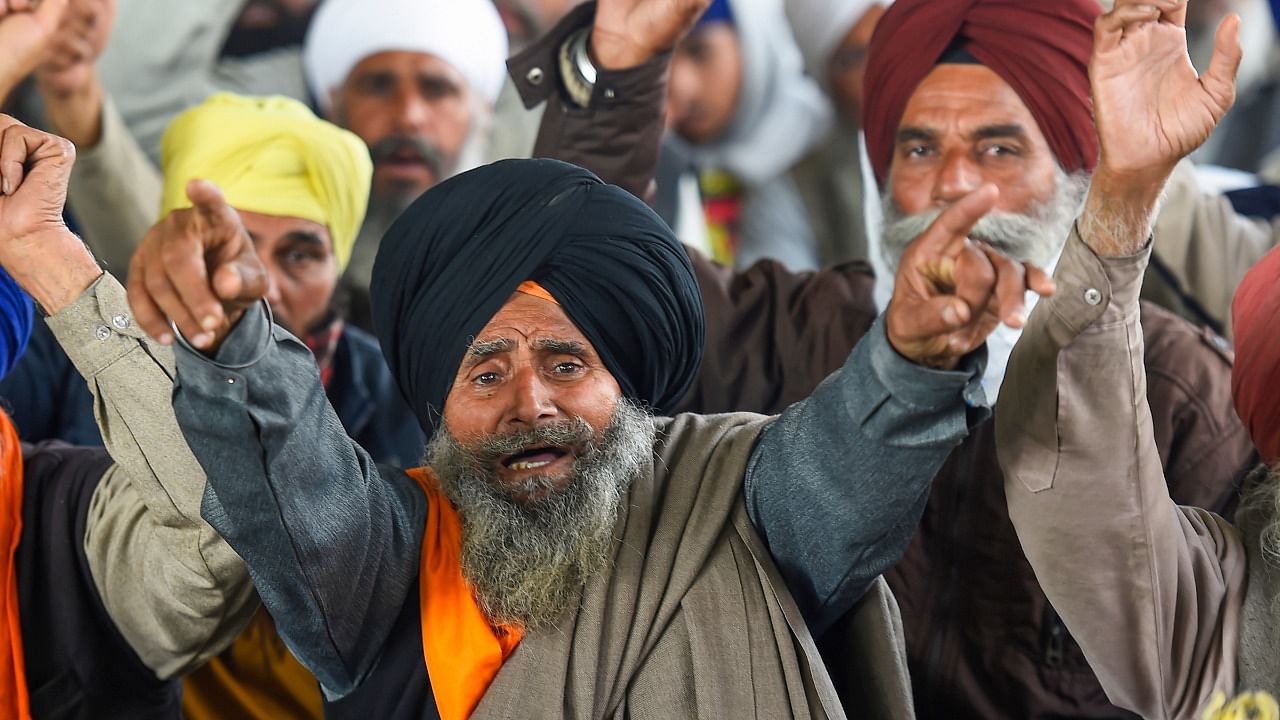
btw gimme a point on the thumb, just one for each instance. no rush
(240, 282)
(1220, 80)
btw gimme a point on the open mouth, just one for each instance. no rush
(534, 458)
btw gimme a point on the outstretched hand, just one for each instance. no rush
(951, 292)
(628, 33)
(197, 268)
(1151, 107)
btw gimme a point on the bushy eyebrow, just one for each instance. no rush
(916, 134)
(562, 347)
(994, 132)
(487, 348)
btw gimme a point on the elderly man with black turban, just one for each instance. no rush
(563, 551)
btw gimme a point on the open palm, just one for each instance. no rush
(1151, 106)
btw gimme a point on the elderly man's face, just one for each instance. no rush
(530, 367)
(706, 78)
(301, 266)
(414, 111)
(962, 128)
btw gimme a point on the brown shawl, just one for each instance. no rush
(694, 620)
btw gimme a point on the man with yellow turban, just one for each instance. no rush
(300, 186)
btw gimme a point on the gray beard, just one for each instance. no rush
(1036, 236)
(527, 560)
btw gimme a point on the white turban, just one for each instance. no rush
(467, 34)
(820, 25)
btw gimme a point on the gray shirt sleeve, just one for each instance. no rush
(837, 484)
(331, 542)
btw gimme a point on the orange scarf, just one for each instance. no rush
(463, 651)
(14, 702)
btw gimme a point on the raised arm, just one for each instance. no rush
(331, 544)
(837, 483)
(1152, 592)
(174, 589)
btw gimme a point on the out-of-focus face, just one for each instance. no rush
(301, 267)
(963, 127)
(848, 65)
(706, 79)
(528, 20)
(414, 111)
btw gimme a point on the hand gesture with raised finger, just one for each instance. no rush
(26, 30)
(951, 293)
(196, 268)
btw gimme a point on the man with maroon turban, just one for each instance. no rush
(961, 93)
(1172, 605)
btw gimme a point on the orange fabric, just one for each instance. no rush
(14, 701)
(257, 678)
(529, 287)
(463, 651)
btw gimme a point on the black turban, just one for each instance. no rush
(452, 260)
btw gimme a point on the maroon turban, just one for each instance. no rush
(1040, 47)
(1255, 378)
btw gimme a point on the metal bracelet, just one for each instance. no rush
(271, 321)
(581, 57)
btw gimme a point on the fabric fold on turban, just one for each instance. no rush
(455, 257)
(272, 156)
(1255, 377)
(1041, 49)
(467, 34)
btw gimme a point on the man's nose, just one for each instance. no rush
(533, 402)
(957, 177)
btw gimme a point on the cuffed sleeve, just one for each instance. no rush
(1151, 591)
(838, 482)
(173, 587)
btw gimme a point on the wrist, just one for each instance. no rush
(55, 271)
(1120, 209)
(610, 51)
(75, 112)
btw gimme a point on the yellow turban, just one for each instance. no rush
(271, 156)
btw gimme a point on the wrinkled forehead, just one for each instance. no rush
(525, 320)
(962, 98)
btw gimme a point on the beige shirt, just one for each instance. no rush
(173, 587)
(1153, 592)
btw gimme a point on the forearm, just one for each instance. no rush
(1149, 590)
(174, 589)
(332, 546)
(837, 483)
(115, 192)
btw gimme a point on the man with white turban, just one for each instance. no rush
(416, 80)
(835, 180)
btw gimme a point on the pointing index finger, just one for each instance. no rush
(946, 235)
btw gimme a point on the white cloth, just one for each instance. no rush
(781, 114)
(820, 25)
(467, 34)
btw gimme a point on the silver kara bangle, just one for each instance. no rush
(271, 321)
(577, 72)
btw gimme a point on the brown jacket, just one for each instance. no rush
(983, 640)
(1154, 592)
